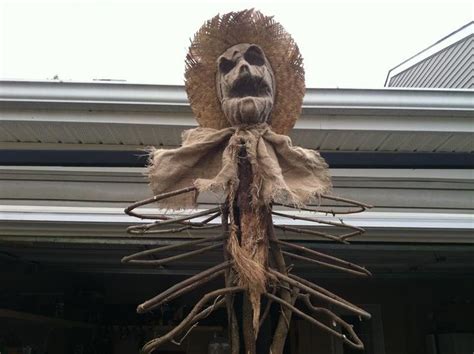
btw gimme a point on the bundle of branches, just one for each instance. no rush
(280, 285)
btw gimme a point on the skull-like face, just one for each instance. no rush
(245, 84)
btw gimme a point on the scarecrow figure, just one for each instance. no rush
(245, 83)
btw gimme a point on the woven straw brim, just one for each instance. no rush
(221, 33)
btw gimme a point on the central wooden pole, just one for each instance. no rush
(254, 224)
(244, 213)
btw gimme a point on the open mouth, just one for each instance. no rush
(249, 86)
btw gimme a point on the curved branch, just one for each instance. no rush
(133, 258)
(323, 295)
(281, 330)
(159, 262)
(345, 200)
(208, 310)
(320, 221)
(212, 217)
(183, 287)
(326, 211)
(203, 314)
(357, 343)
(340, 263)
(129, 210)
(323, 264)
(328, 293)
(360, 207)
(145, 228)
(311, 232)
(233, 326)
(267, 308)
(188, 320)
(315, 322)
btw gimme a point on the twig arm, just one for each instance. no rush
(353, 338)
(130, 209)
(281, 330)
(135, 258)
(321, 295)
(188, 320)
(184, 286)
(233, 326)
(352, 343)
(336, 263)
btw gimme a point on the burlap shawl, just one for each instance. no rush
(208, 160)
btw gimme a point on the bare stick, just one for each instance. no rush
(311, 232)
(180, 341)
(343, 304)
(129, 210)
(247, 326)
(212, 217)
(313, 321)
(358, 270)
(281, 330)
(267, 308)
(318, 220)
(333, 212)
(155, 343)
(143, 228)
(351, 234)
(159, 262)
(233, 326)
(203, 314)
(133, 258)
(322, 290)
(207, 311)
(187, 284)
(345, 200)
(192, 286)
(360, 207)
(335, 319)
(323, 264)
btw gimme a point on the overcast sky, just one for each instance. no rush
(344, 43)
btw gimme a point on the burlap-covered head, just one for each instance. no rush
(248, 26)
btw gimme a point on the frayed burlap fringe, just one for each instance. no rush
(287, 174)
(250, 260)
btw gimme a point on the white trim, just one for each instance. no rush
(444, 121)
(373, 173)
(385, 220)
(167, 98)
(337, 119)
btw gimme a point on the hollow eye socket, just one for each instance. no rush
(254, 56)
(226, 65)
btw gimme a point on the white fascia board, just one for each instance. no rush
(167, 98)
(387, 123)
(379, 220)
(389, 100)
(184, 120)
(355, 114)
(372, 173)
(110, 93)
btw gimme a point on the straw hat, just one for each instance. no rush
(221, 33)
